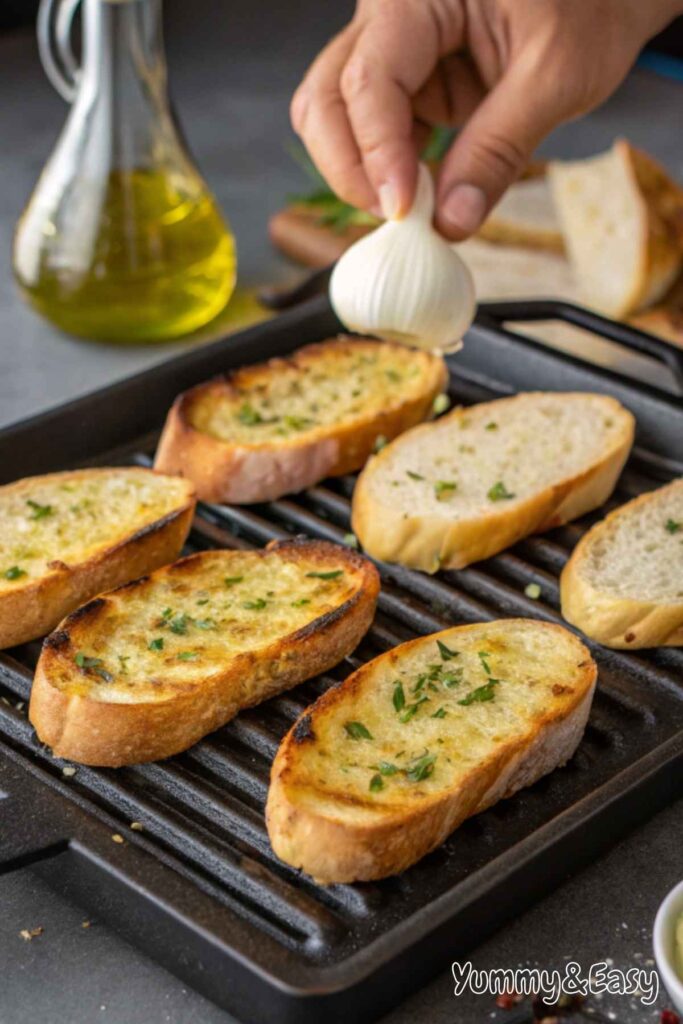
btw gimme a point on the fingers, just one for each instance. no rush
(318, 114)
(451, 94)
(393, 57)
(492, 150)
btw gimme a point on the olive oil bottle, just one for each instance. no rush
(121, 240)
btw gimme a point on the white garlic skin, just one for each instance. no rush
(404, 282)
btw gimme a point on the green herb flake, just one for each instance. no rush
(376, 783)
(249, 416)
(123, 662)
(357, 731)
(499, 492)
(393, 375)
(205, 623)
(39, 511)
(444, 489)
(440, 713)
(14, 573)
(491, 426)
(179, 624)
(441, 404)
(203, 600)
(483, 658)
(387, 768)
(421, 768)
(187, 656)
(300, 602)
(230, 581)
(350, 540)
(452, 679)
(481, 694)
(446, 653)
(257, 605)
(297, 422)
(333, 575)
(156, 645)
(399, 697)
(672, 526)
(95, 665)
(533, 591)
(380, 442)
(413, 476)
(412, 709)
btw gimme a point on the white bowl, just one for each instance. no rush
(664, 941)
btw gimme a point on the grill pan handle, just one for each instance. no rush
(629, 337)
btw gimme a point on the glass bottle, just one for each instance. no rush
(121, 239)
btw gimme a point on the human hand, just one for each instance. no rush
(507, 71)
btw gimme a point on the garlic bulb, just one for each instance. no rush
(404, 282)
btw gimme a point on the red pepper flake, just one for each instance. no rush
(507, 1000)
(669, 1017)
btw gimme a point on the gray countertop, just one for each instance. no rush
(232, 82)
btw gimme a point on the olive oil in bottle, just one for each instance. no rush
(121, 239)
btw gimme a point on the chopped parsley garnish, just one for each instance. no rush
(230, 581)
(393, 375)
(481, 694)
(357, 731)
(421, 768)
(380, 442)
(413, 476)
(483, 656)
(376, 783)
(491, 426)
(440, 713)
(387, 768)
(300, 602)
(412, 709)
(179, 624)
(334, 574)
(441, 403)
(39, 511)
(95, 665)
(205, 623)
(156, 645)
(399, 697)
(297, 422)
(444, 489)
(187, 656)
(203, 600)
(257, 605)
(672, 526)
(499, 492)
(446, 653)
(249, 416)
(14, 573)
(123, 662)
(452, 678)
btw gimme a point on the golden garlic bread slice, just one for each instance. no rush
(623, 585)
(67, 536)
(381, 770)
(144, 671)
(622, 221)
(479, 479)
(280, 426)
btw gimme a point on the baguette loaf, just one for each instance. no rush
(479, 479)
(623, 585)
(67, 536)
(145, 671)
(381, 770)
(284, 425)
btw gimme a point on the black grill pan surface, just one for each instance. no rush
(198, 887)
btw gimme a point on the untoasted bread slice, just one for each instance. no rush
(479, 479)
(67, 536)
(525, 216)
(145, 671)
(278, 427)
(381, 770)
(623, 585)
(622, 220)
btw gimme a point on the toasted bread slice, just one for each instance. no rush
(525, 216)
(381, 770)
(278, 427)
(623, 585)
(145, 671)
(67, 536)
(479, 479)
(622, 220)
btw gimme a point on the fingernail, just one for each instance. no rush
(388, 200)
(464, 207)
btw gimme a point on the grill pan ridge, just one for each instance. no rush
(198, 887)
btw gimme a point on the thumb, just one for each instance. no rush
(491, 151)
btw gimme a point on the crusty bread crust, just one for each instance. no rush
(334, 850)
(30, 610)
(431, 543)
(245, 473)
(113, 734)
(619, 622)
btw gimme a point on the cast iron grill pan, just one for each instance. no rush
(198, 887)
